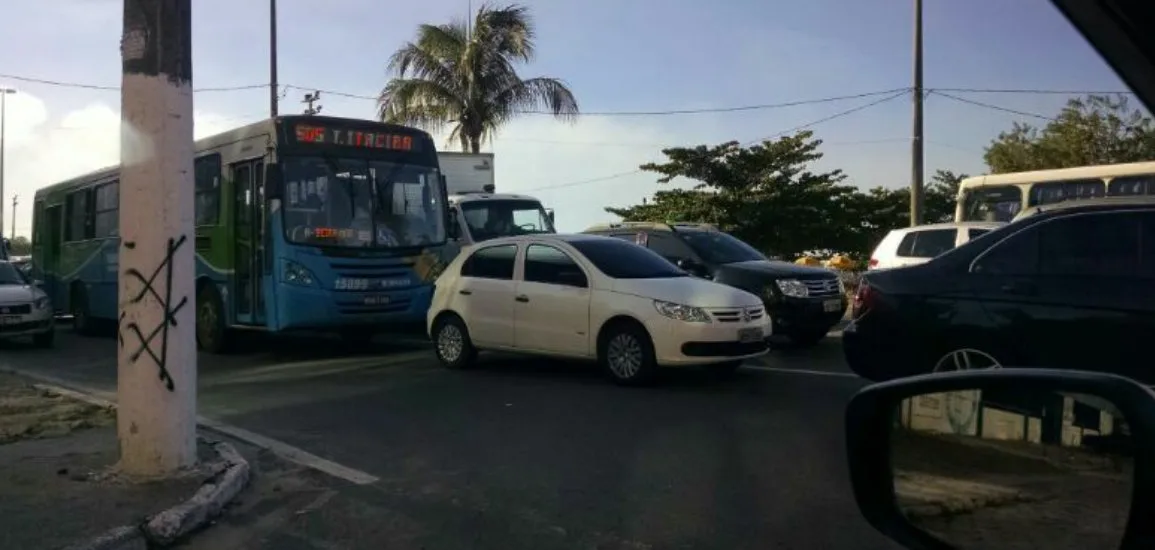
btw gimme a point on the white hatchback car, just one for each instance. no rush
(919, 244)
(25, 310)
(592, 297)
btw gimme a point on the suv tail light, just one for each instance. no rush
(874, 262)
(862, 300)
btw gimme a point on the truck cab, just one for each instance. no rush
(481, 216)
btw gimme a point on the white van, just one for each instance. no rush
(915, 245)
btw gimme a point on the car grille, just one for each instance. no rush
(734, 314)
(822, 287)
(16, 309)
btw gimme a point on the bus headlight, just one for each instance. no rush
(297, 274)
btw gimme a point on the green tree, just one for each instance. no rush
(764, 194)
(20, 246)
(465, 76)
(1088, 131)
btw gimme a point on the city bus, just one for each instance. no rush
(999, 197)
(303, 223)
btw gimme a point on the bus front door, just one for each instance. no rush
(49, 270)
(249, 243)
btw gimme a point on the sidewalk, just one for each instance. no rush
(57, 478)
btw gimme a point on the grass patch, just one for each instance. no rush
(27, 412)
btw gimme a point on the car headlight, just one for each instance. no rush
(793, 288)
(41, 302)
(297, 274)
(681, 312)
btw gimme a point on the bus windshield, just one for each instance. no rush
(490, 219)
(360, 203)
(992, 204)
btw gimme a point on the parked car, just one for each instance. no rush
(916, 245)
(590, 297)
(1069, 287)
(25, 310)
(804, 302)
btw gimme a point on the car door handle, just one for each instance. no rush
(522, 298)
(1020, 287)
(465, 292)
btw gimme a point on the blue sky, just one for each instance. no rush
(616, 56)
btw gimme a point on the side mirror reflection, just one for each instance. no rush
(985, 469)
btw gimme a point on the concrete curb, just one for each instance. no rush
(230, 476)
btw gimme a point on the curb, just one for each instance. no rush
(230, 476)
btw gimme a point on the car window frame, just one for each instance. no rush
(473, 254)
(523, 260)
(916, 237)
(1037, 226)
(999, 244)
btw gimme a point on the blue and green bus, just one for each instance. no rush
(303, 223)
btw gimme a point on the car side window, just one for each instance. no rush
(669, 248)
(493, 262)
(1091, 245)
(973, 234)
(926, 244)
(546, 264)
(1016, 255)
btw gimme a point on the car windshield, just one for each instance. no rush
(490, 219)
(625, 260)
(9, 275)
(361, 203)
(720, 248)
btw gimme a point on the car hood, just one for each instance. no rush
(18, 294)
(690, 291)
(776, 269)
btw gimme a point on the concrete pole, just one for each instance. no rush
(156, 360)
(273, 96)
(916, 167)
(4, 92)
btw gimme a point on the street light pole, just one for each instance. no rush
(916, 158)
(15, 203)
(156, 379)
(273, 58)
(4, 92)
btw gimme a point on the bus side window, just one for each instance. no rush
(207, 175)
(79, 213)
(107, 210)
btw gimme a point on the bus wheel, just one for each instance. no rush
(210, 322)
(81, 316)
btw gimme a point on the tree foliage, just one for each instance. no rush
(20, 246)
(1088, 131)
(768, 196)
(466, 76)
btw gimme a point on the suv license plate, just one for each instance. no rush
(831, 306)
(748, 335)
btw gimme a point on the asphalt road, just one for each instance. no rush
(525, 453)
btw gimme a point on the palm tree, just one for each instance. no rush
(454, 74)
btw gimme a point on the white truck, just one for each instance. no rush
(479, 211)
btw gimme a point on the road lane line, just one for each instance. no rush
(802, 371)
(283, 450)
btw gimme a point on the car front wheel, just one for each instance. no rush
(627, 355)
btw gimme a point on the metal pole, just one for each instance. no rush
(273, 58)
(3, 123)
(157, 358)
(15, 202)
(916, 170)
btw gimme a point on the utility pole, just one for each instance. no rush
(273, 97)
(309, 100)
(916, 170)
(156, 380)
(15, 202)
(4, 93)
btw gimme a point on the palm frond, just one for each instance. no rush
(420, 103)
(549, 94)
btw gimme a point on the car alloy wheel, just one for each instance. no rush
(624, 356)
(450, 343)
(966, 359)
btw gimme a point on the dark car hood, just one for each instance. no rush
(775, 270)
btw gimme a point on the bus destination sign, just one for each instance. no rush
(347, 137)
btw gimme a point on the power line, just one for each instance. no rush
(1028, 91)
(64, 84)
(791, 130)
(990, 106)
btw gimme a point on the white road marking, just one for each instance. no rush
(284, 450)
(802, 371)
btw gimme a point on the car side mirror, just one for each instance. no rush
(1008, 449)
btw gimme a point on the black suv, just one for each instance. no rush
(1069, 286)
(804, 302)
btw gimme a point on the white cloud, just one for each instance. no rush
(43, 149)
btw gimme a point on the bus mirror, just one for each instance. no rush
(549, 215)
(273, 182)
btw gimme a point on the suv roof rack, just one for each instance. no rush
(660, 226)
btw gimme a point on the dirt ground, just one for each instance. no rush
(1010, 495)
(57, 471)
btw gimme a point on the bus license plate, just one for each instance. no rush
(831, 306)
(376, 300)
(748, 335)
